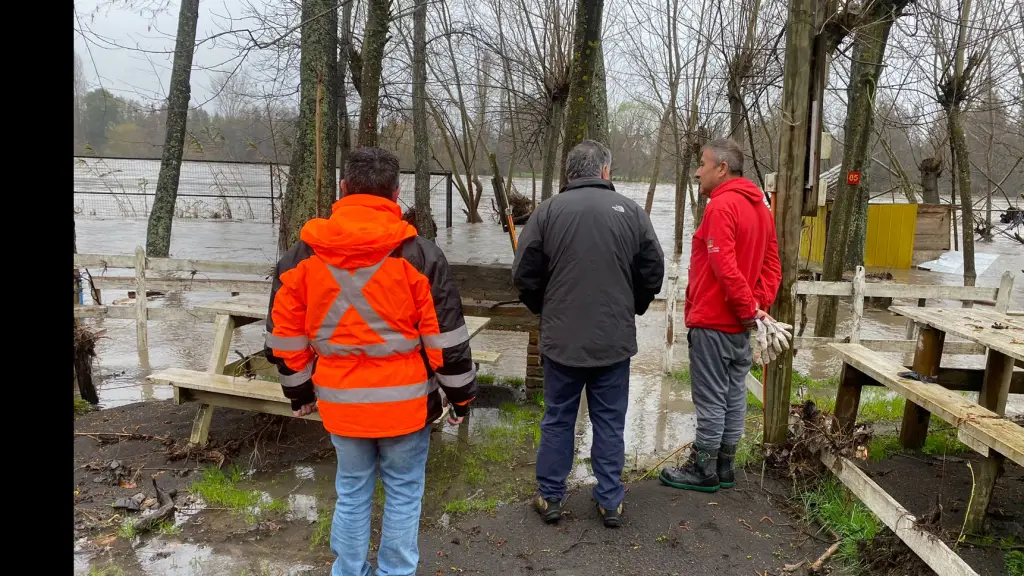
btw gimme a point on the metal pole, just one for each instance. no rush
(448, 201)
(272, 217)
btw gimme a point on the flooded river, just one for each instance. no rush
(660, 414)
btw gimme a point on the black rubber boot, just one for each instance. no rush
(726, 473)
(700, 472)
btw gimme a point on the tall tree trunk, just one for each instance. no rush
(958, 144)
(597, 126)
(344, 45)
(556, 113)
(845, 243)
(161, 217)
(931, 169)
(378, 17)
(305, 197)
(963, 176)
(424, 219)
(656, 169)
(586, 53)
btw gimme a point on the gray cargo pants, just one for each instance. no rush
(719, 363)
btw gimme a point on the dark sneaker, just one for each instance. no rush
(611, 518)
(726, 473)
(698, 473)
(550, 509)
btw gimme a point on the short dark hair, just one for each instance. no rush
(372, 171)
(728, 151)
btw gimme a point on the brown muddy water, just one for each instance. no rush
(660, 416)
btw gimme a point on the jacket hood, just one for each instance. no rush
(741, 186)
(362, 230)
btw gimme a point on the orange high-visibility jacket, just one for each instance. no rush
(367, 313)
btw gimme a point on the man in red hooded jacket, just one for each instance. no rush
(735, 273)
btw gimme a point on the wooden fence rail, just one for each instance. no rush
(858, 290)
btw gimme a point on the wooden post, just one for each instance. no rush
(670, 316)
(994, 390)
(912, 331)
(796, 89)
(1005, 290)
(926, 363)
(851, 382)
(534, 370)
(858, 305)
(141, 316)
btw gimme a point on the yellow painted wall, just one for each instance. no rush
(889, 242)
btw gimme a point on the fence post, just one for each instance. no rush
(1005, 289)
(858, 305)
(448, 201)
(908, 358)
(141, 316)
(670, 316)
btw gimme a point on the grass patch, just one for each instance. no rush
(108, 570)
(682, 376)
(126, 531)
(167, 528)
(321, 529)
(485, 379)
(218, 488)
(82, 407)
(837, 510)
(943, 442)
(467, 505)
(513, 381)
(884, 446)
(1014, 561)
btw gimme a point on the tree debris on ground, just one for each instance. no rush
(85, 352)
(153, 518)
(813, 431)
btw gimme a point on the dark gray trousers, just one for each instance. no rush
(719, 363)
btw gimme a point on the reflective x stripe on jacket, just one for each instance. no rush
(351, 285)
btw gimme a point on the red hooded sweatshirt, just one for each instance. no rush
(734, 260)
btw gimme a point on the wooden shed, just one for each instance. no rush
(899, 235)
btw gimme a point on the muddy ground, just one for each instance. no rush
(466, 530)
(921, 483)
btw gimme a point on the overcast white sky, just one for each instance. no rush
(128, 51)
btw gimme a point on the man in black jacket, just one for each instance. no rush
(588, 262)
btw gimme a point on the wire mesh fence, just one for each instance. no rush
(125, 188)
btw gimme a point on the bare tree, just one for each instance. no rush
(161, 216)
(378, 16)
(586, 53)
(311, 187)
(424, 220)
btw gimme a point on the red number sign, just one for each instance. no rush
(853, 178)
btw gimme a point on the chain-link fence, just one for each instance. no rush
(125, 188)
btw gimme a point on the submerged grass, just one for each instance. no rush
(479, 472)
(218, 488)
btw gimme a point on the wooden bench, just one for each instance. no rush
(485, 357)
(227, 391)
(978, 427)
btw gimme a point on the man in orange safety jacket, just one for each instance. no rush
(365, 314)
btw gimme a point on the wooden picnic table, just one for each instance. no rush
(1003, 337)
(216, 387)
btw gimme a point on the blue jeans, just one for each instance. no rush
(402, 462)
(607, 391)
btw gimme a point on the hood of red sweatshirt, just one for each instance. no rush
(362, 230)
(742, 186)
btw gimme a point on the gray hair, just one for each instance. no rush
(371, 171)
(728, 151)
(586, 159)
